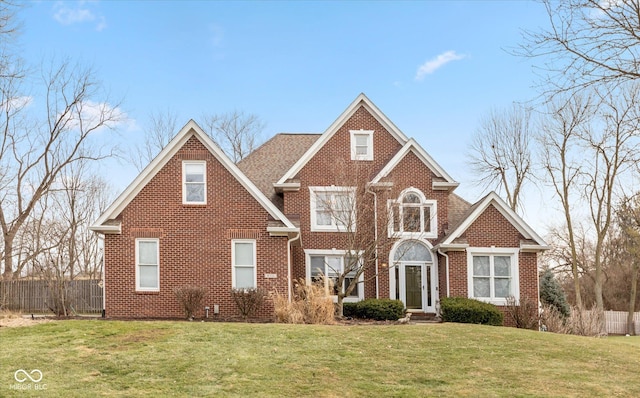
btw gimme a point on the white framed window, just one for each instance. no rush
(243, 259)
(493, 274)
(361, 144)
(147, 264)
(331, 264)
(194, 182)
(333, 209)
(412, 215)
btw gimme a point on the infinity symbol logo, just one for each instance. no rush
(24, 375)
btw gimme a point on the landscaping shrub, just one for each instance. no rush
(581, 323)
(465, 310)
(190, 298)
(248, 301)
(523, 313)
(377, 309)
(551, 293)
(310, 304)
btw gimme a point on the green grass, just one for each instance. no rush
(189, 359)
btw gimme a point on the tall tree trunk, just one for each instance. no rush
(632, 299)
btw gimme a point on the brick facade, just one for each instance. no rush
(195, 240)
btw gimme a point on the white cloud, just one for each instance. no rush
(67, 15)
(436, 63)
(16, 103)
(95, 113)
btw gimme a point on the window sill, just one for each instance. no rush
(148, 292)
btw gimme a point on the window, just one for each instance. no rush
(243, 257)
(194, 182)
(361, 144)
(332, 209)
(147, 265)
(493, 274)
(331, 264)
(411, 214)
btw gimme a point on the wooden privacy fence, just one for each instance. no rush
(617, 322)
(34, 296)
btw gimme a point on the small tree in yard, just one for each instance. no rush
(354, 210)
(552, 294)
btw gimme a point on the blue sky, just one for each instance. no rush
(433, 67)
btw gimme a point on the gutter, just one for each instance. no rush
(289, 265)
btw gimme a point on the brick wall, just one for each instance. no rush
(195, 242)
(493, 229)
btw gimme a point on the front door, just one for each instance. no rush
(413, 287)
(414, 278)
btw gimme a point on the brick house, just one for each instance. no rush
(192, 217)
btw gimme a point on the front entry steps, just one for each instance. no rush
(425, 317)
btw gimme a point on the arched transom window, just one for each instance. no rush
(413, 215)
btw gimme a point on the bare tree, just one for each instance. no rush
(237, 133)
(35, 151)
(501, 154)
(162, 126)
(589, 42)
(628, 217)
(614, 151)
(562, 164)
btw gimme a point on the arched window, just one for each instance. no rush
(412, 250)
(412, 214)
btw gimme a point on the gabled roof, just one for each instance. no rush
(533, 241)
(445, 182)
(361, 100)
(105, 222)
(271, 160)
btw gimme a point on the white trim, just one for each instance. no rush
(203, 163)
(234, 265)
(491, 252)
(413, 146)
(335, 226)
(511, 216)
(354, 153)
(361, 100)
(137, 262)
(191, 129)
(424, 202)
(334, 253)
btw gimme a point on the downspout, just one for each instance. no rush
(446, 265)
(289, 265)
(375, 234)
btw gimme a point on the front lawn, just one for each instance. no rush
(189, 359)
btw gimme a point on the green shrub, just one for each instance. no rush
(377, 309)
(465, 310)
(350, 310)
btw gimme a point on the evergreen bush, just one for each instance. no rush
(466, 310)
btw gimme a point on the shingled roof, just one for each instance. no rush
(267, 164)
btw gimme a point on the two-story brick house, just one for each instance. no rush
(192, 217)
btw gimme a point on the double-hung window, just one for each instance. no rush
(493, 274)
(361, 144)
(194, 182)
(148, 265)
(327, 266)
(243, 257)
(333, 209)
(413, 215)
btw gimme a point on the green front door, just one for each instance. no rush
(413, 280)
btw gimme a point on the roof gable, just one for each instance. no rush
(360, 101)
(412, 146)
(479, 208)
(191, 129)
